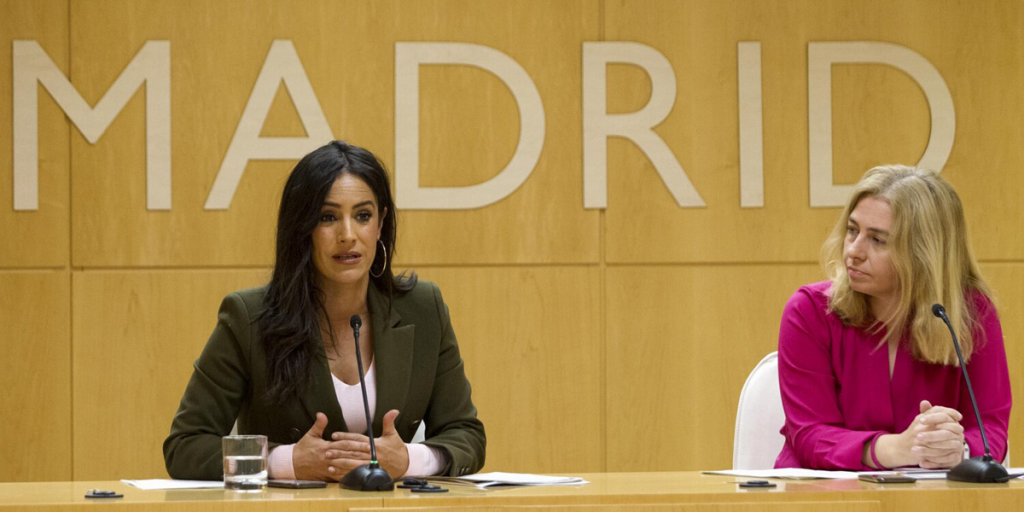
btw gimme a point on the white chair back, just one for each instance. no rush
(759, 417)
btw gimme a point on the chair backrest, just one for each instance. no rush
(759, 417)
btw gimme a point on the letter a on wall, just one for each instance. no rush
(282, 65)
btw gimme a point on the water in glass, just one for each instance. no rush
(245, 472)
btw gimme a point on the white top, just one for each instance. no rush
(350, 397)
(423, 460)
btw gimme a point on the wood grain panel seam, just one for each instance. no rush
(71, 280)
(711, 264)
(32, 270)
(501, 265)
(166, 269)
(602, 280)
(142, 268)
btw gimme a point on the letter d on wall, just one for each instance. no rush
(820, 57)
(408, 193)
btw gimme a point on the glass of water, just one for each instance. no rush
(245, 463)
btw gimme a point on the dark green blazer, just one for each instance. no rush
(419, 372)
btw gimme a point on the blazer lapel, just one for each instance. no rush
(393, 351)
(321, 397)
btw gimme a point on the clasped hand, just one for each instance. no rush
(935, 439)
(314, 458)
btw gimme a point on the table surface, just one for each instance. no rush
(668, 487)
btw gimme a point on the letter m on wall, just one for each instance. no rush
(151, 65)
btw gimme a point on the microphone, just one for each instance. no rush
(370, 477)
(975, 469)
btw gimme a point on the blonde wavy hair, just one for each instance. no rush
(931, 258)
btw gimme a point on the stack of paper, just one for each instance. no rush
(498, 479)
(162, 484)
(803, 474)
(792, 473)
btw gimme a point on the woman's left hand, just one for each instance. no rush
(941, 443)
(392, 453)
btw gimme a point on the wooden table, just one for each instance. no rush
(682, 491)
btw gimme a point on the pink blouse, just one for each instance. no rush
(837, 393)
(423, 460)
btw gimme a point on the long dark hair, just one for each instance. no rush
(293, 307)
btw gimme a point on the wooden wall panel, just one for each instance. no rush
(1007, 282)
(347, 50)
(35, 238)
(879, 116)
(519, 378)
(531, 339)
(680, 343)
(35, 340)
(136, 335)
(575, 331)
(544, 220)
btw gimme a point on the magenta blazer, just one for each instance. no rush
(837, 394)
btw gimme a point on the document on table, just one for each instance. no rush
(803, 474)
(165, 484)
(498, 479)
(789, 473)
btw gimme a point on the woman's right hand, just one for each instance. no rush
(933, 440)
(312, 455)
(939, 441)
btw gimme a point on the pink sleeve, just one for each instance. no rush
(814, 421)
(991, 381)
(279, 463)
(425, 460)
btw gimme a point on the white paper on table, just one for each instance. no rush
(521, 478)
(790, 473)
(498, 479)
(164, 484)
(798, 473)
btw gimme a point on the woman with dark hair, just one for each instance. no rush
(282, 358)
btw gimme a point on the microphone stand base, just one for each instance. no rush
(979, 470)
(372, 477)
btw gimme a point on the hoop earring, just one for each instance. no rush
(385, 266)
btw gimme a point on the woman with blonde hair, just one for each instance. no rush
(869, 378)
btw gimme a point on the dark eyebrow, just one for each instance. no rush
(357, 205)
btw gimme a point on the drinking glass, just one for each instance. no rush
(245, 463)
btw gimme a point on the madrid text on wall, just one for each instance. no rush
(151, 66)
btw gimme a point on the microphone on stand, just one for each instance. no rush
(370, 477)
(975, 469)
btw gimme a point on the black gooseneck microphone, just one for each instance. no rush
(975, 469)
(370, 477)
